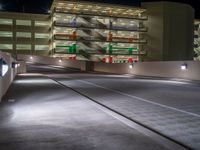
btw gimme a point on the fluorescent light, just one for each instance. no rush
(61, 3)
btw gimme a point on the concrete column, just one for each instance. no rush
(14, 38)
(22, 67)
(51, 52)
(87, 66)
(32, 37)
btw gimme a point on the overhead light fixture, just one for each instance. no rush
(60, 60)
(31, 57)
(184, 66)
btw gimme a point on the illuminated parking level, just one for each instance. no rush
(98, 31)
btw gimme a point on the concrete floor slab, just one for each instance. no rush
(45, 115)
(168, 107)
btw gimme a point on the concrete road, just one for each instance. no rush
(44, 111)
(169, 107)
(38, 113)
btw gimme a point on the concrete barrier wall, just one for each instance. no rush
(169, 69)
(51, 61)
(22, 67)
(6, 80)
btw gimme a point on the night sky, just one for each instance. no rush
(42, 6)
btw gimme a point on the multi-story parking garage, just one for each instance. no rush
(71, 103)
(25, 33)
(98, 31)
(102, 32)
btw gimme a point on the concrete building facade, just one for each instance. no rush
(171, 31)
(25, 33)
(158, 31)
(98, 31)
